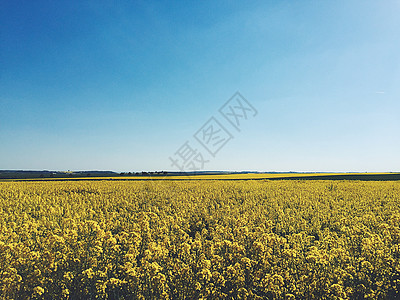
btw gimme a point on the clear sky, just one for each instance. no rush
(122, 85)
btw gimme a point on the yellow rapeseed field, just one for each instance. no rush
(203, 239)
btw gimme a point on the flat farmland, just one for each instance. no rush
(200, 239)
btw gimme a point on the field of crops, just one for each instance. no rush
(200, 239)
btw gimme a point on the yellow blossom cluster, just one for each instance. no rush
(204, 239)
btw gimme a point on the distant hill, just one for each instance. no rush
(21, 174)
(24, 174)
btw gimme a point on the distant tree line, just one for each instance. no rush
(143, 173)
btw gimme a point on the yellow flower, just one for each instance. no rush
(38, 290)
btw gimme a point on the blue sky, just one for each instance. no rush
(101, 85)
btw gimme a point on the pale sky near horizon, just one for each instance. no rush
(107, 85)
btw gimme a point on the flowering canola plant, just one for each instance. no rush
(204, 239)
